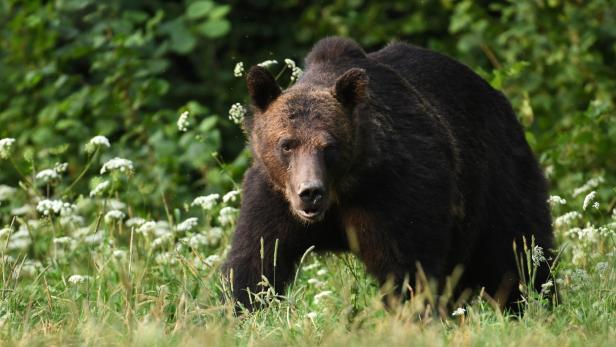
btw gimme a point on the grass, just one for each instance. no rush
(92, 272)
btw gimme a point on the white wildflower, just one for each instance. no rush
(296, 72)
(566, 219)
(601, 267)
(322, 295)
(268, 63)
(135, 222)
(22, 210)
(77, 279)
(236, 113)
(6, 147)
(537, 256)
(206, 202)
(146, 227)
(580, 276)
(556, 200)
(212, 260)
(589, 233)
(114, 204)
(47, 175)
(588, 199)
(114, 216)
(183, 122)
(6, 259)
(162, 240)
(18, 244)
(29, 268)
(238, 70)
(63, 240)
(6, 192)
(94, 239)
(118, 164)
(460, 311)
(315, 282)
(119, 254)
(49, 207)
(231, 196)
(5, 231)
(311, 315)
(162, 228)
(100, 188)
(595, 205)
(322, 272)
(592, 183)
(165, 259)
(188, 224)
(195, 241)
(547, 286)
(81, 232)
(312, 266)
(72, 219)
(213, 236)
(97, 142)
(227, 215)
(20, 240)
(60, 167)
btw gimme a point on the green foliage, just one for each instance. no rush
(126, 69)
(75, 69)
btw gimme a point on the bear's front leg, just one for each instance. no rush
(265, 219)
(399, 249)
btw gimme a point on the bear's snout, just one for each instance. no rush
(311, 195)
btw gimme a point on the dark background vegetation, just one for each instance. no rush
(72, 69)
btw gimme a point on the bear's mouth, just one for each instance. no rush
(311, 214)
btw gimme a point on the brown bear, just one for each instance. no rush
(403, 156)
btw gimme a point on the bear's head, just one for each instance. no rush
(306, 137)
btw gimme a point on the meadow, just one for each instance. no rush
(121, 158)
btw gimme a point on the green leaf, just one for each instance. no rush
(199, 9)
(214, 28)
(182, 40)
(219, 12)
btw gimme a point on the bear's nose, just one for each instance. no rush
(311, 192)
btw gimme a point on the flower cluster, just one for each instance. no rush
(99, 188)
(77, 279)
(47, 175)
(236, 113)
(238, 70)
(231, 196)
(267, 63)
(6, 192)
(49, 207)
(114, 216)
(296, 72)
(206, 202)
(591, 184)
(6, 147)
(188, 224)
(97, 142)
(118, 164)
(555, 200)
(183, 122)
(537, 256)
(227, 215)
(590, 198)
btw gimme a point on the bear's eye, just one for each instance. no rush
(287, 145)
(331, 152)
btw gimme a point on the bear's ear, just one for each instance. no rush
(262, 87)
(351, 88)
